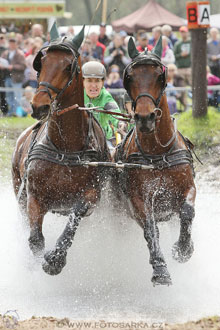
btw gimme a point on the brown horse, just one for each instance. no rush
(48, 174)
(163, 184)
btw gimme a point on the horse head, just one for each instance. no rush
(58, 66)
(145, 82)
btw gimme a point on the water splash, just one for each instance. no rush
(107, 275)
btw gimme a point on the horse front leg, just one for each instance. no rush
(35, 214)
(183, 248)
(160, 275)
(55, 260)
(144, 212)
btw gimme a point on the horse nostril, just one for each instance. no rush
(152, 116)
(136, 117)
(41, 111)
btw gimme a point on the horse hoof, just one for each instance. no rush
(182, 254)
(53, 263)
(36, 244)
(161, 276)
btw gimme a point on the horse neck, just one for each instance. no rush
(68, 131)
(152, 143)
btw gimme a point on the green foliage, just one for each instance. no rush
(203, 132)
(12, 126)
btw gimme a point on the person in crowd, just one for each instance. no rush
(171, 98)
(86, 51)
(98, 49)
(182, 52)
(20, 40)
(14, 74)
(213, 96)
(3, 63)
(95, 94)
(30, 73)
(37, 31)
(124, 127)
(116, 54)
(47, 39)
(28, 44)
(156, 33)
(213, 52)
(167, 53)
(103, 38)
(113, 79)
(25, 108)
(70, 32)
(123, 35)
(167, 31)
(142, 40)
(176, 80)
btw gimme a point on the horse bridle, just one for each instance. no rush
(75, 69)
(144, 58)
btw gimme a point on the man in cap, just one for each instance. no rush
(14, 74)
(143, 42)
(102, 35)
(95, 94)
(182, 52)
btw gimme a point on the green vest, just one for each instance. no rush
(105, 120)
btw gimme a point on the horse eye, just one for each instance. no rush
(68, 68)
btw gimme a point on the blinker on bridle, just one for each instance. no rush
(64, 44)
(146, 59)
(75, 69)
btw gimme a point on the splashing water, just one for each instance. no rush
(107, 275)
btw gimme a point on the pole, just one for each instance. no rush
(104, 10)
(199, 84)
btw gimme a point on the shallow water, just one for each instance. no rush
(107, 276)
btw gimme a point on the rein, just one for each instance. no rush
(125, 117)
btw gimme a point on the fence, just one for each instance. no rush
(118, 94)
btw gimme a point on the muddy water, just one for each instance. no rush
(107, 274)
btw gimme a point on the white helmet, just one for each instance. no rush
(93, 69)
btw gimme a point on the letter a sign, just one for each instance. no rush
(198, 14)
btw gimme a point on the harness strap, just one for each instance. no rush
(48, 86)
(43, 152)
(33, 141)
(177, 157)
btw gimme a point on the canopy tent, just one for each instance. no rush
(146, 17)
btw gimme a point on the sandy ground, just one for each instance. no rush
(209, 173)
(53, 323)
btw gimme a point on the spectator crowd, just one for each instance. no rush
(17, 53)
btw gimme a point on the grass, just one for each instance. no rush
(13, 126)
(10, 129)
(204, 132)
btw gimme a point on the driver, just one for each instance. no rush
(95, 94)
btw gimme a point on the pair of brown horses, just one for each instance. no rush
(48, 174)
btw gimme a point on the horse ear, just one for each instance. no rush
(157, 50)
(54, 34)
(132, 50)
(78, 39)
